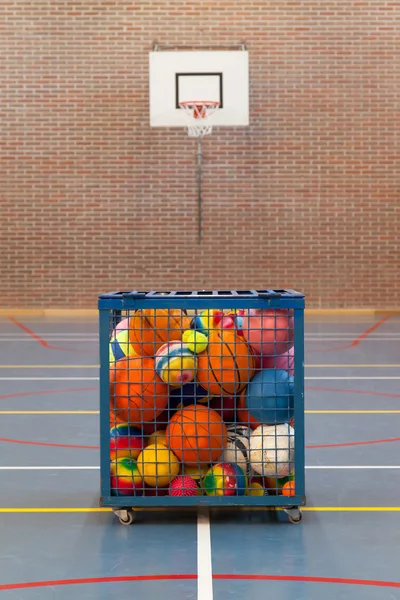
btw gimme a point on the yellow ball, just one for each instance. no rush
(255, 489)
(197, 342)
(158, 437)
(158, 465)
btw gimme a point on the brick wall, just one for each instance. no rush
(94, 200)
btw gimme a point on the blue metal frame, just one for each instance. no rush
(262, 299)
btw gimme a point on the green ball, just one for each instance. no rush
(196, 341)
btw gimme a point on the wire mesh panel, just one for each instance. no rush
(202, 398)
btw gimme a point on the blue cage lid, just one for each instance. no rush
(283, 294)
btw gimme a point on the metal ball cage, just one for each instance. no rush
(175, 406)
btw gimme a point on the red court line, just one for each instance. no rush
(43, 392)
(397, 439)
(27, 442)
(180, 577)
(43, 342)
(341, 391)
(359, 339)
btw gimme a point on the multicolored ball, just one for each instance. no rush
(120, 346)
(125, 441)
(225, 479)
(175, 363)
(196, 341)
(207, 320)
(125, 478)
(183, 486)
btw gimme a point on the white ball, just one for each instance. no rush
(237, 447)
(272, 450)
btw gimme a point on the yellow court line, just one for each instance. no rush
(351, 508)
(316, 366)
(96, 412)
(269, 508)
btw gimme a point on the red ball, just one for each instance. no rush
(125, 445)
(183, 486)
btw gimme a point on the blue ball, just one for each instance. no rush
(269, 397)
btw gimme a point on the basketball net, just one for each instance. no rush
(198, 116)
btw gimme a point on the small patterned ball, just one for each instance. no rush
(225, 479)
(120, 346)
(196, 341)
(204, 321)
(183, 486)
(125, 441)
(175, 363)
(125, 478)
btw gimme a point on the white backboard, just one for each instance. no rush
(221, 76)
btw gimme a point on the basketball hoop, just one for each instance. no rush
(198, 115)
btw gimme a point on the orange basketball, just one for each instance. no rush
(228, 364)
(114, 420)
(196, 435)
(137, 394)
(150, 328)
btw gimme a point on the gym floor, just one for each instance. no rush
(56, 542)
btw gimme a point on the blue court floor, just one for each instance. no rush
(55, 542)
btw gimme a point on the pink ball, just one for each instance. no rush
(268, 332)
(284, 361)
(183, 485)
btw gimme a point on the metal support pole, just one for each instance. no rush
(199, 186)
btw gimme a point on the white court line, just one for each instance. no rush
(204, 562)
(49, 378)
(349, 377)
(96, 468)
(352, 466)
(55, 468)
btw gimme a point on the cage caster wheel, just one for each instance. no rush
(126, 517)
(294, 515)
